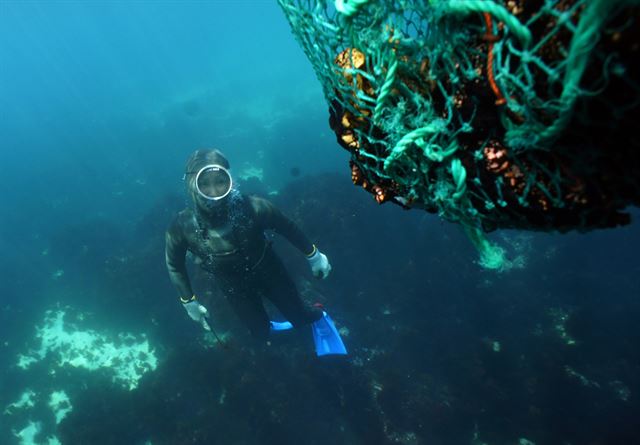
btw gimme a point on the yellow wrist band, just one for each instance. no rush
(187, 300)
(313, 252)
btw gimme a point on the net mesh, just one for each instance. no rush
(493, 114)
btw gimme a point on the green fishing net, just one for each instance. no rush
(492, 114)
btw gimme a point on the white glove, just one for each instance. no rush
(198, 313)
(319, 263)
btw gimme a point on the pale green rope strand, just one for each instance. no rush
(434, 152)
(386, 89)
(491, 256)
(459, 174)
(433, 127)
(497, 11)
(585, 38)
(349, 7)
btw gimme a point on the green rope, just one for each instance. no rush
(491, 256)
(386, 89)
(459, 174)
(498, 11)
(585, 38)
(434, 127)
(349, 7)
(434, 152)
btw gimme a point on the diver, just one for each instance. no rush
(225, 233)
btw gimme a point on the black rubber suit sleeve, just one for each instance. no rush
(175, 257)
(272, 218)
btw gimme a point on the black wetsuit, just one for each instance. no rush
(230, 244)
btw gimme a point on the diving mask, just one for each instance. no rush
(213, 182)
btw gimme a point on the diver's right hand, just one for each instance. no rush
(197, 312)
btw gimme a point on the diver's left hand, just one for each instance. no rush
(319, 263)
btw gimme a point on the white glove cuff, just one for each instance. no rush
(315, 257)
(195, 310)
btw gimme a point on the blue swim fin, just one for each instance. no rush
(280, 326)
(326, 337)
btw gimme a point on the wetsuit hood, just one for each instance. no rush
(196, 162)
